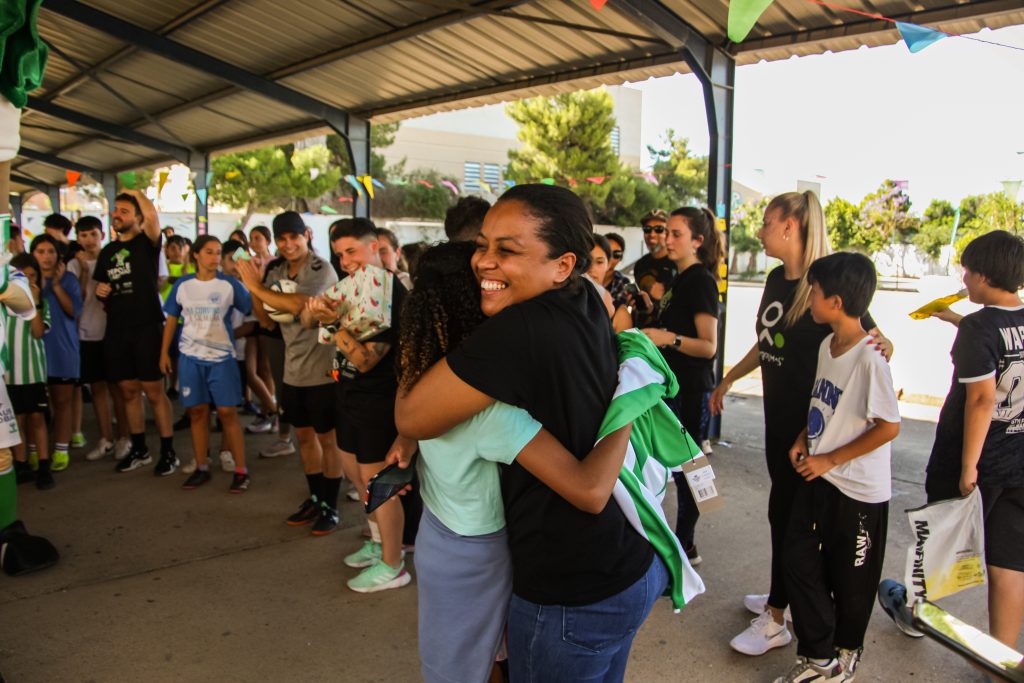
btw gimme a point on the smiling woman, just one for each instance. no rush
(548, 348)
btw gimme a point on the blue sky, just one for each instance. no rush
(949, 119)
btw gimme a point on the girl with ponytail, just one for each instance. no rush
(786, 352)
(687, 334)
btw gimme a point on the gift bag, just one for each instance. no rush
(948, 550)
(364, 301)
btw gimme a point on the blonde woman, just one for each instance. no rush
(787, 353)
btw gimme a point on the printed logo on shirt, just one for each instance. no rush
(770, 317)
(121, 268)
(215, 299)
(1010, 394)
(827, 396)
(863, 542)
(815, 423)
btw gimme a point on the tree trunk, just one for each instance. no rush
(752, 263)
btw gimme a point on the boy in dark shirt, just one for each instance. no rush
(979, 440)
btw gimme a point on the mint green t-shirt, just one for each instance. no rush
(459, 470)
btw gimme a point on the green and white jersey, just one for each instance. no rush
(25, 357)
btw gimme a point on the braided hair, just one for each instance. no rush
(441, 310)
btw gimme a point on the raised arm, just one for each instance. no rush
(150, 218)
(438, 402)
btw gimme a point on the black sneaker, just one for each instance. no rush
(168, 464)
(239, 483)
(44, 479)
(307, 512)
(134, 460)
(23, 472)
(196, 479)
(183, 423)
(327, 523)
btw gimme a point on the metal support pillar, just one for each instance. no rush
(357, 139)
(53, 192)
(199, 166)
(16, 204)
(109, 182)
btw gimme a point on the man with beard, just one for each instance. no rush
(654, 271)
(126, 275)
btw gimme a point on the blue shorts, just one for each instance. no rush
(203, 382)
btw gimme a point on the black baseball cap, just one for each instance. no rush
(289, 222)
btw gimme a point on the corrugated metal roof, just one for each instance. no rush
(394, 59)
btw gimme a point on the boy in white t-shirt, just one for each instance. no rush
(835, 543)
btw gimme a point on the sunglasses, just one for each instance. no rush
(657, 230)
(617, 254)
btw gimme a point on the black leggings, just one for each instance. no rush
(785, 481)
(688, 408)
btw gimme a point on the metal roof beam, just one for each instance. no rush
(182, 54)
(107, 128)
(51, 160)
(31, 182)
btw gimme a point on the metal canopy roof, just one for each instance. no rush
(132, 83)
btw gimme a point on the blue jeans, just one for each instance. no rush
(586, 643)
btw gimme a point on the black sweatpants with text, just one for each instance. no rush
(835, 546)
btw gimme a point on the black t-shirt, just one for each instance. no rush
(131, 268)
(555, 357)
(693, 291)
(366, 391)
(649, 270)
(789, 357)
(989, 342)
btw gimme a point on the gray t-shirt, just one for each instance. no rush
(307, 362)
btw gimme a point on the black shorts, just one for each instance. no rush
(73, 381)
(1004, 527)
(369, 431)
(91, 355)
(28, 398)
(133, 353)
(308, 407)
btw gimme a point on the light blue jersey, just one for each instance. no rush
(206, 306)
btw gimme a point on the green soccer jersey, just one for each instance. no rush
(25, 361)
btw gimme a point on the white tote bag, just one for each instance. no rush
(948, 552)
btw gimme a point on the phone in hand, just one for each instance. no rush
(387, 484)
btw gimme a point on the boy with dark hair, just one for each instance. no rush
(979, 440)
(462, 222)
(835, 543)
(58, 227)
(365, 421)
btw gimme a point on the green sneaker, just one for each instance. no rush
(78, 440)
(379, 577)
(60, 461)
(366, 556)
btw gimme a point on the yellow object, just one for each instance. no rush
(940, 304)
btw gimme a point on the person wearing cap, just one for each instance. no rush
(654, 271)
(307, 395)
(127, 272)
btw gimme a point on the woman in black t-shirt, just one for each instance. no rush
(547, 347)
(687, 334)
(787, 353)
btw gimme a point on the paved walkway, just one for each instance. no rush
(157, 584)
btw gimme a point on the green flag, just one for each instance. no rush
(743, 14)
(128, 179)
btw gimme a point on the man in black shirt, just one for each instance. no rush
(126, 276)
(654, 272)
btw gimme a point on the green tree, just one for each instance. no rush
(936, 227)
(682, 177)
(885, 219)
(842, 218)
(252, 181)
(382, 136)
(746, 222)
(312, 176)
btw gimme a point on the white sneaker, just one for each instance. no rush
(227, 461)
(762, 635)
(758, 603)
(705, 447)
(352, 494)
(104, 449)
(279, 448)
(189, 467)
(121, 448)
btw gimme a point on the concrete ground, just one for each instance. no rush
(158, 584)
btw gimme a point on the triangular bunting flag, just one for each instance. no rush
(184, 196)
(743, 14)
(328, 209)
(209, 178)
(598, 4)
(573, 183)
(487, 187)
(548, 181)
(451, 186)
(313, 173)
(201, 195)
(345, 200)
(355, 184)
(424, 182)
(161, 181)
(597, 179)
(917, 37)
(231, 175)
(367, 182)
(510, 183)
(72, 177)
(378, 183)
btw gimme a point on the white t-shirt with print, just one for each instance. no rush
(849, 393)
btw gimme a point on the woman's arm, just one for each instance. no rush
(622, 320)
(704, 345)
(741, 369)
(587, 483)
(882, 343)
(437, 402)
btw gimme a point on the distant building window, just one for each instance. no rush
(616, 140)
(492, 176)
(471, 176)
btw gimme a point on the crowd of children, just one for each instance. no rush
(252, 324)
